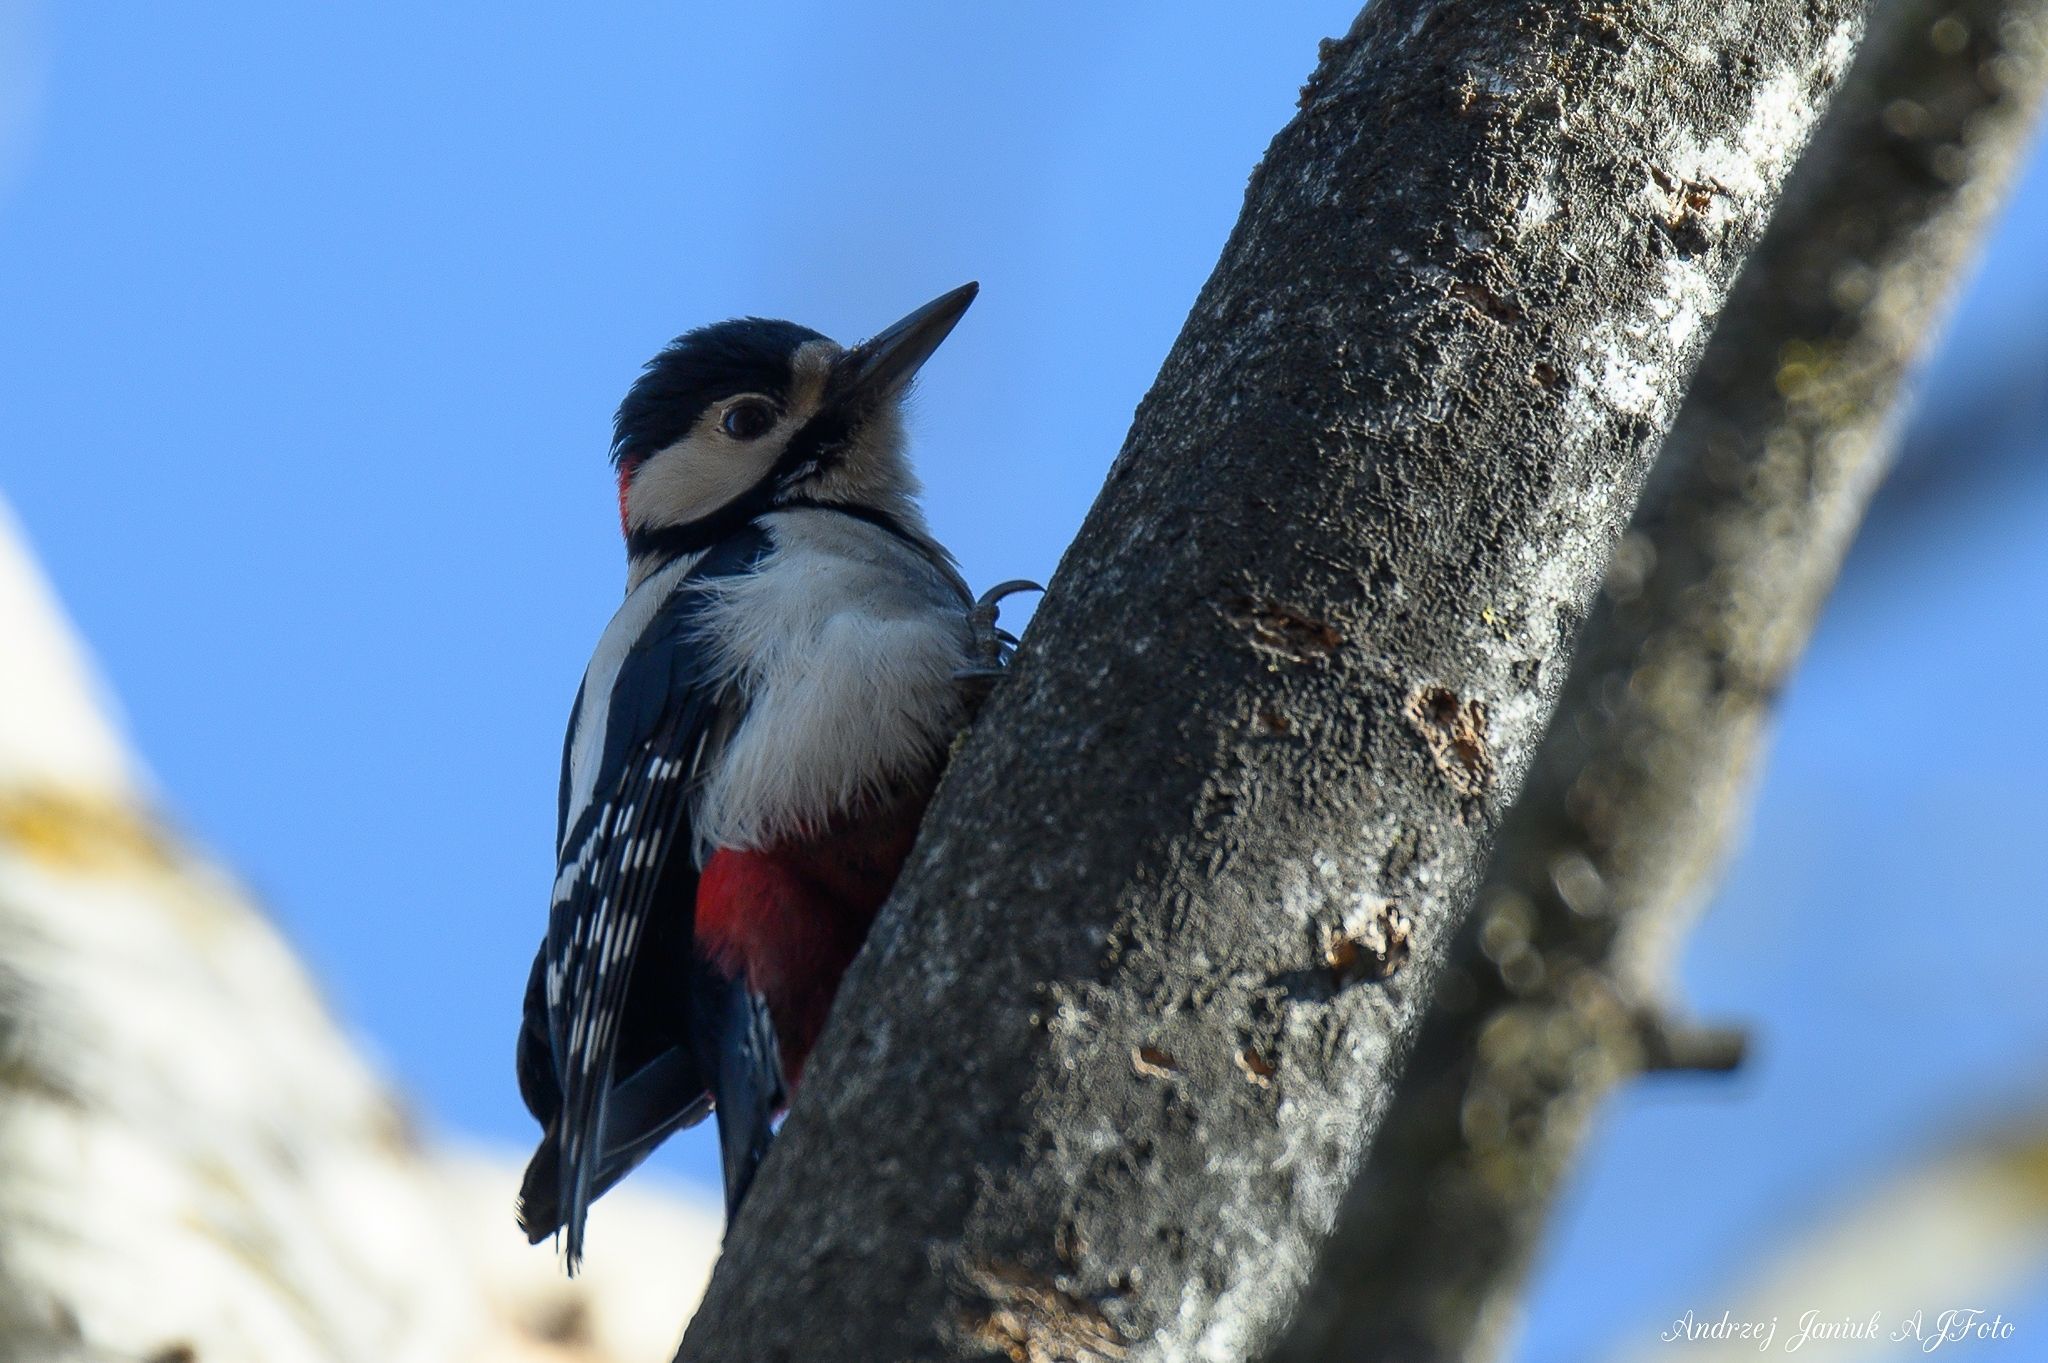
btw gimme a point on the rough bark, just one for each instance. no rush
(195, 1162)
(1554, 991)
(1100, 1078)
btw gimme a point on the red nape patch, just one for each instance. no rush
(791, 918)
(627, 467)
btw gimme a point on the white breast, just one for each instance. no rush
(844, 643)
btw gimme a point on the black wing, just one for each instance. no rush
(610, 1069)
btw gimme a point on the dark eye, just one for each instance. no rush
(748, 419)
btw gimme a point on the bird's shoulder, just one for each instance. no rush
(655, 673)
(857, 554)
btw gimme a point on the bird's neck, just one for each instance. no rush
(648, 551)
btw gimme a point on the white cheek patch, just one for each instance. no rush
(708, 469)
(700, 473)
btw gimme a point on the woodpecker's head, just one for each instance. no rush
(734, 419)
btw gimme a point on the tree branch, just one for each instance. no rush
(1115, 1049)
(1633, 799)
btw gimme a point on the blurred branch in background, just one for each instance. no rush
(1555, 990)
(195, 1163)
(1986, 433)
(1962, 1229)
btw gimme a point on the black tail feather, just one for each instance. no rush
(661, 1098)
(733, 1066)
(737, 1050)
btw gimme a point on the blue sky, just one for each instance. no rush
(312, 318)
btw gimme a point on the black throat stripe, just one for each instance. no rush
(695, 536)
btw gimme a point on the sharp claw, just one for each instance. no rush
(993, 645)
(1003, 589)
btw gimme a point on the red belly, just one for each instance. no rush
(791, 917)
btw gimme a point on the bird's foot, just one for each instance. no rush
(992, 646)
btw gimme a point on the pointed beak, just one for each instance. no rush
(883, 364)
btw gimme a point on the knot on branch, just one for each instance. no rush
(1686, 209)
(1454, 730)
(1373, 949)
(1671, 1044)
(1274, 628)
(1331, 53)
(1026, 1317)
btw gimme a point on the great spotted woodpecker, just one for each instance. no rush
(751, 751)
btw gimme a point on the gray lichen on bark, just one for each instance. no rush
(1105, 1069)
(1555, 990)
